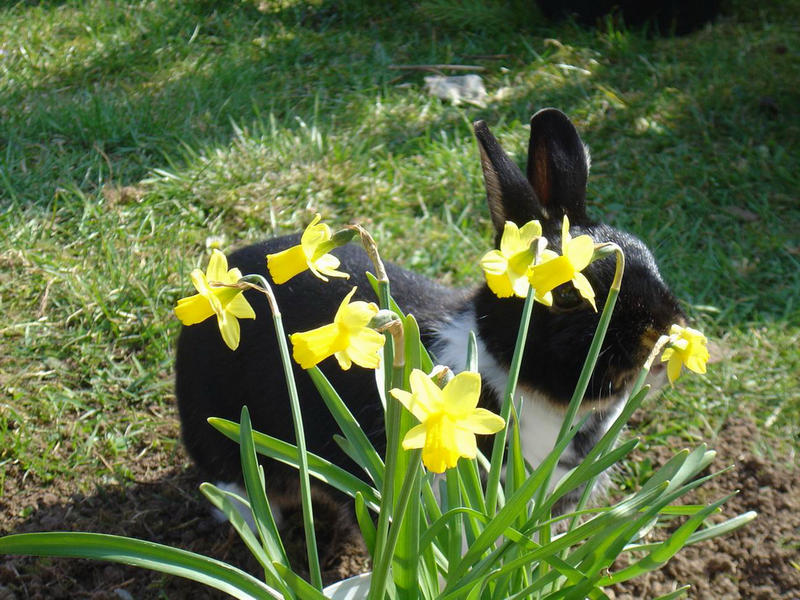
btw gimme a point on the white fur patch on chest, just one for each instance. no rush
(540, 419)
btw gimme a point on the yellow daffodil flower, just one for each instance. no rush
(506, 269)
(449, 418)
(687, 346)
(227, 303)
(554, 270)
(293, 261)
(348, 338)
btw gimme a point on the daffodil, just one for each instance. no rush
(226, 302)
(448, 418)
(506, 269)
(554, 270)
(310, 254)
(687, 346)
(348, 338)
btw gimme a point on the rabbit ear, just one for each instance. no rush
(510, 196)
(558, 164)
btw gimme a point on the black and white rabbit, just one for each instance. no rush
(212, 380)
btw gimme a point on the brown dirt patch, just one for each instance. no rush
(760, 561)
(164, 505)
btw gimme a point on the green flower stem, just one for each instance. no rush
(382, 561)
(302, 455)
(597, 343)
(588, 366)
(637, 386)
(493, 481)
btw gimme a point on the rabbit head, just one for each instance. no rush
(553, 187)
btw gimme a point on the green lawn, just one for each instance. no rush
(132, 131)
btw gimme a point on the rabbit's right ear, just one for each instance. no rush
(558, 165)
(510, 196)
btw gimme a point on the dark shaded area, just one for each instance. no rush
(658, 16)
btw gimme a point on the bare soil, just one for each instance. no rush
(164, 505)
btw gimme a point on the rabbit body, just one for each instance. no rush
(212, 380)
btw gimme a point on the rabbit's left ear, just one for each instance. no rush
(558, 165)
(510, 196)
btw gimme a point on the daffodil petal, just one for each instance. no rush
(566, 238)
(344, 360)
(415, 438)
(343, 305)
(286, 264)
(233, 276)
(483, 422)
(520, 285)
(364, 347)
(460, 395)
(200, 282)
(494, 262)
(314, 235)
(580, 251)
(427, 395)
(674, 368)
(500, 285)
(240, 308)
(403, 397)
(327, 264)
(465, 443)
(357, 314)
(696, 363)
(529, 232)
(217, 267)
(193, 310)
(667, 354)
(229, 328)
(584, 288)
(509, 241)
(546, 298)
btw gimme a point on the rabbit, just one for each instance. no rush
(212, 380)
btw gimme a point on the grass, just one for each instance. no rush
(130, 132)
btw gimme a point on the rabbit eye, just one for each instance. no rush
(567, 298)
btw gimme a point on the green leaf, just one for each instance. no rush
(679, 593)
(320, 468)
(226, 502)
(365, 523)
(139, 553)
(303, 589)
(363, 449)
(256, 492)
